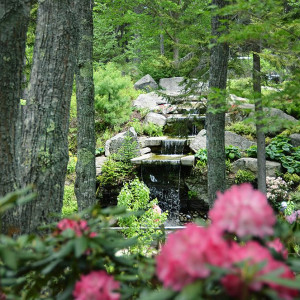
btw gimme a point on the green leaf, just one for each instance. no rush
(157, 295)
(272, 277)
(51, 266)
(191, 292)
(81, 245)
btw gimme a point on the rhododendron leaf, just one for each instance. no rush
(50, 267)
(9, 258)
(273, 278)
(295, 264)
(162, 294)
(64, 251)
(191, 292)
(81, 245)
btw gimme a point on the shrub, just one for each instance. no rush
(277, 191)
(243, 176)
(135, 196)
(127, 151)
(242, 129)
(153, 129)
(252, 151)
(201, 155)
(137, 125)
(232, 152)
(113, 95)
(69, 202)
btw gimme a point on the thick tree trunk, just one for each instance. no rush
(45, 129)
(215, 117)
(14, 17)
(85, 186)
(261, 146)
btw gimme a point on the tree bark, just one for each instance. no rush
(215, 117)
(85, 185)
(14, 17)
(46, 115)
(260, 135)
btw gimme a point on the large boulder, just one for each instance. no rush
(250, 164)
(146, 83)
(199, 141)
(231, 138)
(156, 119)
(150, 101)
(172, 85)
(234, 139)
(115, 143)
(295, 139)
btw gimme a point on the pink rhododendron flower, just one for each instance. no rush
(293, 217)
(278, 247)
(184, 257)
(97, 285)
(247, 276)
(79, 227)
(243, 211)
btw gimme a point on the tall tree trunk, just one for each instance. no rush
(14, 17)
(85, 186)
(161, 41)
(176, 53)
(45, 130)
(261, 146)
(215, 117)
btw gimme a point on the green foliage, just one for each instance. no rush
(159, 67)
(113, 95)
(228, 165)
(73, 107)
(127, 151)
(152, 129)
(114, 173)
(71, 164)
(243, 176)
(242, 128)
(137, 125)
(134, 196)
(241, 87)
(72, 140)
(200, 168)
(281, 150)
(252, 151)
(69, 202)
(201, 155)
(232, 152)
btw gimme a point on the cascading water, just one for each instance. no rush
(173, 146)
(163, 181)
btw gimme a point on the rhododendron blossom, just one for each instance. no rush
(97, 285)
(156, 209)
(184, 257)
(278, 247)
(243, 211)
(79, 227)
(257, 261)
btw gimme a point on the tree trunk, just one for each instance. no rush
(261, 146)
(85, 186)
(215, 117)
(176, 53)
(45, 129)
(14, 17)
(161, 40)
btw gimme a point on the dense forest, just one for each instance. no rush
(69, 74)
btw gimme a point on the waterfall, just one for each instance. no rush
(163, 182)
(173, 146)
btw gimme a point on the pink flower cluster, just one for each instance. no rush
(293, 217)
(245, 212)
(97, 285)
(156, 209)
(79, 227)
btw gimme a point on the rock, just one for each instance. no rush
(250, 164)
(156, 119)
(154, 141)
(295, 139)
(100, 160)
(138, 160)
(114, 144)
(172, 85)
(146, 83)
(199, 141)
(234, 139)
(234, 100)
(188, 160)
(150, 101)
(230, 139)
(145, 150)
